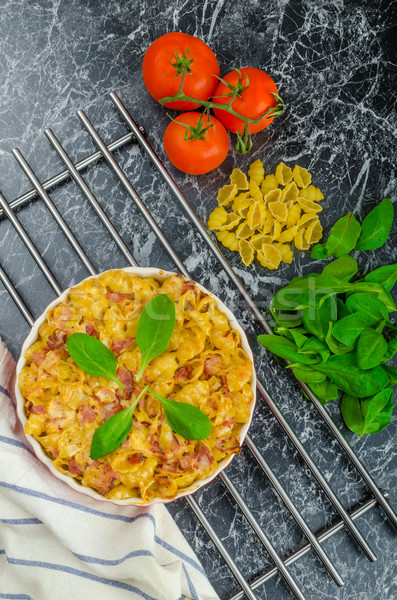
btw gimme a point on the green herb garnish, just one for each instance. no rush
(154, 331)
(334, 329)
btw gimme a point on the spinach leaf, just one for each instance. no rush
(373, 289)
(391, 349)
(343, 267)
(285, 348)
(185, 419)
(348, 329)
(345, 373)
(155, 328)
(376, 226)
(371, 348)
(368, 304)
(369, 415)
(391, 373)
(385, 276)
(317, 320)
(292, 334)
(343, 237)
(315, 346)
(325, 391)
(334, 345)
(308, 374)
(113, 432)
(318, 252)
(343, 309)
(284, 319)
(92, 356)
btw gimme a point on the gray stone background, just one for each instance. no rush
(335, 66)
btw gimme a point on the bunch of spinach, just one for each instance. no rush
(335, 333)
(155, 328)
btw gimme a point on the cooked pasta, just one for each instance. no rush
(204, 365)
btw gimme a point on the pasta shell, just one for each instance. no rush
(308, 206)
(255, 191)
(256, 171)
(244, 231)
(276, 230)
(232, 221)
(300, 242)
(290, 192)
(269, 256)
(301, 176)
(259, 239)
(227, 194)
(217, 218)
(293, 215)
(254, 216)
(306, 219)
(268, 184)
(288, 234)
(283, 174)
(312, 193)
(273, 196)
(228, 239)
(278, 210)
(314, 232)
(286, 252)
(247, 252)
(239, 179)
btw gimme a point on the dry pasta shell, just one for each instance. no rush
(255, 191)
(314, 232)
(259, 239)
(275, 234)
(228, 239)
(301, 176)
(278, 210)
(273, 196)
(267, 226)
(293, 215)
(268, 184)
(247, 252)
(286, 252)
(227, 194)
(264, 212)
(254, 216)
(283, 174)
(239, 179)
(244, 231)
(269, 256)
(256, 171)
(308, 206)
(312, 193)
(232, 221)
(305, 220)
(241, 204)
(217, 218)
(300, 242)
(290, 192)
(288, 234)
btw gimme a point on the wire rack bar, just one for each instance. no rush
(255, 310)
(171, 252)
(61, 177)
(221, 548)
(16, 297)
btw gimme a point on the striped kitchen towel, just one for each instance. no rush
(56, 544)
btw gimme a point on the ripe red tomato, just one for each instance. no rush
(195, 156)
(254, 100)
(160, 70)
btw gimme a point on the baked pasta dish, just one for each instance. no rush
(204, 365)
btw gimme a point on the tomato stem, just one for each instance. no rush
(198, 132)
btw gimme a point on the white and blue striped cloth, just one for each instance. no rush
(56, 544)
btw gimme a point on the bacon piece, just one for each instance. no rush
(75, 467)
(172, 467)
(90, 329)
(201, 460)
(56, 339)
(87, 413)
(213, 366)
(117, 297)
(54, 452)
(136, 459)
(40, 409)
(229, 444)
(40, 356)
(110, 408)
(102, 478)
(183, 373)
(187, 286)
(118, 346)
(126, 379)
(162, 480)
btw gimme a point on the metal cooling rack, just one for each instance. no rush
(73, 170)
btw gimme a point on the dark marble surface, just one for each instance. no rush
(335, 65)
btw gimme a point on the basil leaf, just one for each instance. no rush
(285, 348)
(155, 328)
(391, 349)
(308, 375)
(385, 276)
(345, 373)
(391, 373)
(92, 356)
(325, 391)
(319, 251)
(343, 268)
(317, 320)
(368, 304)
(348, 329)
(371, 348)
(112, 433)
(185, 419)
(343, 237)
(376, 226)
